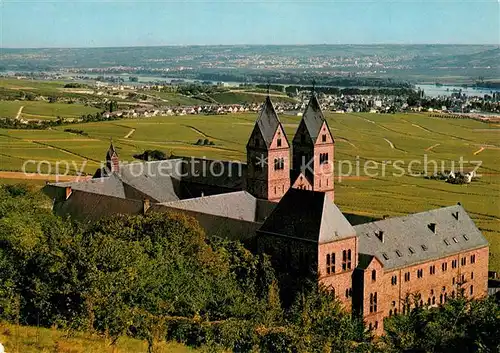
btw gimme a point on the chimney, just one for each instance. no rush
(380, 235)
(432, 227)
(68, 192)
(145, 205)
(455, 215)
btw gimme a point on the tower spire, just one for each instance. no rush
(268, 87)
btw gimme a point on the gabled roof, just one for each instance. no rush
(309, 215)
(313, 117)
(237, 205)
(157, 181)
(410, 239)
(268, 121)
(88, 207)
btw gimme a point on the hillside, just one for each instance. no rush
(26, 339)
(390, 137)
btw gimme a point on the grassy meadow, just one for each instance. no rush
(40, 110)
(382, 139)
(25, 339)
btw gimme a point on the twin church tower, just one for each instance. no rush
(269, 171)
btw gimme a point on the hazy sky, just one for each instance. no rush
(91, 23)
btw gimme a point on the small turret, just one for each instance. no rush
(112, 161)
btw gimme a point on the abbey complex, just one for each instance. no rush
(281, 202)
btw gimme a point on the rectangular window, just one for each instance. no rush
(330, 263)
(473, 259)
(394, 280)
(444, 266)
(432, 270)
(349, 265)
(278, 142)
(323, 158)
(471, 289)
(420, 273)
(373, 302)
(463, 262)
(407, 276)
(323, 138)
(454, 264)
(344, 260)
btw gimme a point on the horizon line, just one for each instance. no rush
(255, 45)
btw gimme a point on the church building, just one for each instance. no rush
(281, 201)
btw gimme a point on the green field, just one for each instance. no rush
(362, 137)
(25, 339)
(38, 110)
(241, 97)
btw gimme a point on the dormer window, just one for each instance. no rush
(432, 227)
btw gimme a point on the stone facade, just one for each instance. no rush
(336, 263)
(428, 283)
